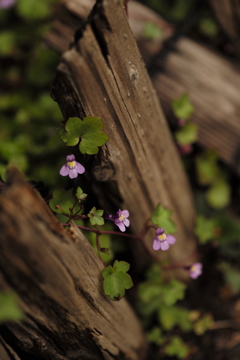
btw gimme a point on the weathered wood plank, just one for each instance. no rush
(228, 14)
(71, 14)
(6, 352)
(59, 284)
(104, 75)
(213, 85)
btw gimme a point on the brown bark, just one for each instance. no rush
(58, 279)
(103, 75)
(228, 14)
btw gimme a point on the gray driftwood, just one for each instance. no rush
(104, 75)
(211, 80)
(57, 277)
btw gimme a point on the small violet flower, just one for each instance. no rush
(72, 168)
(162, 241)
(121, 219)
(4, 4)
(195, 270)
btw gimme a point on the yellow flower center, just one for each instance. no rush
(121, 217)
(162, 237)
(71, 164)
(193, 268)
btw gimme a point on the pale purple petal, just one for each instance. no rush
(64, 171)
(159, 231)
(70, 158)
(126, 222)
(156, 244)
(170, 239)
(195, 270)
(80, 169)
(73, 173)
(125, 213)
(164, 245)
(4, 4)
(120, 225)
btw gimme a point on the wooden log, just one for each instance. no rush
(71, 14)
(58, 279)
(213, 85)
(228, 15)
(103, 75)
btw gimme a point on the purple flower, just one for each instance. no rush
(4, 4)
(195, 270)
(162, 241)
(121, 219)
(72, 168)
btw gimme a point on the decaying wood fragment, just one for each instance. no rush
(228, 14)
(59, 285)
(212, 83)
(103, 75)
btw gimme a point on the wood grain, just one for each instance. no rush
(59, 284)
(104, 75)
(228, 15)
(212, 83)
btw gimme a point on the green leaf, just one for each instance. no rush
(9, 309)
(155, 336)
(105, 251)
(166, 316)
(152, 30)
(208, 27)
(33, 10)
(88, 131)
(7, 42)
(177, 348)
(182, 107)
(64, 199)
(90, 143)
(116, 280)
(205, 229)
(207, 168)
(95, 216)
(218, 196)
(203, 324)
(170, 316)
(231, 276)
(122, 266)
(161, 218)
(80, 194)
(188, 134)
(173, 291)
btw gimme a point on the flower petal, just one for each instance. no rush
(125, 213)
(156, 244)
(126, 222)
(164, 245)
(80, 169)
(120, 225)
(170, 239)
(73, 173)
(159, 231)
(70, 158)
(64, 171)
